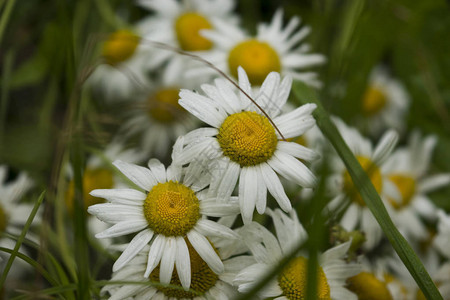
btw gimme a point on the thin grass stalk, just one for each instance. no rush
(21, 238)
(368, 193)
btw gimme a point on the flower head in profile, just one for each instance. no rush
(291, 282)
(169, 214)
(244, 144)
(274, 48)
(407, 170)
(372, 159)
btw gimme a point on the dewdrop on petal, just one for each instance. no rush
(244, 144)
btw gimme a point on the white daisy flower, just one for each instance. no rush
(178, 23)
(157, 117)
(122, 72)
(291, 283)
(174, 208)
(244, 144)
(205, 283)
(407, 169)
(384, 103)
(358, 215)
(274, 49)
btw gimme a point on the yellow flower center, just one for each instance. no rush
(407, 188)
(92, 179)
(247, 138)
(374, 100)
(187, 28)
(202, 278)
(120, 46)
(164, 107)
(374, 174)
(171, 209)
(257, 58)
(3, 219)
(293, 281)
(367, 287)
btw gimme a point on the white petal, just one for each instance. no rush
(385, 146)
(137, 244)
(207, 228)
(292, 169)
(228, 182)
(202, 107)
(205, 251)
(120, 196)
(141, 176)
(154, 255)
(115, 213)
(168, 261)
(434, 182)
(275, 187)
(297, 150)
(247, 193)
(183, 263)
(261, 193)
(158, 170)
(123, 228)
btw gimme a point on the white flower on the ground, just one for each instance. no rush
(171, 211)
(275, 48)
(244, 144)
(407, 169)
(291, 283)
(384, 103)
(357, 215)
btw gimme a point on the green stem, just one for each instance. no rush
(368, 193)
(5, 17)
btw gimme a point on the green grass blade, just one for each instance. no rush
(21, 239)
(368, 193)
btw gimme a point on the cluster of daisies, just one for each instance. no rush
(205, 201)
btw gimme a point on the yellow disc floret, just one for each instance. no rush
(257, 58)
(374, 100)
(293, 281)
(171, 209)
(3, 219)
(202, 278)
(374, 174)
(247, 138)
(119, 46)
(99, 178)
(407, 188)
(164, 107)
(187, 28)
(367, 287)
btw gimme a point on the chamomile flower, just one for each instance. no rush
(157, 117)
(407, 170)
(243, 144)
(205, 283)
(122, 72)
(291, 283)
(178, 24)
(274, 49)
(358, 215)
(384, 102)
(172, 210)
